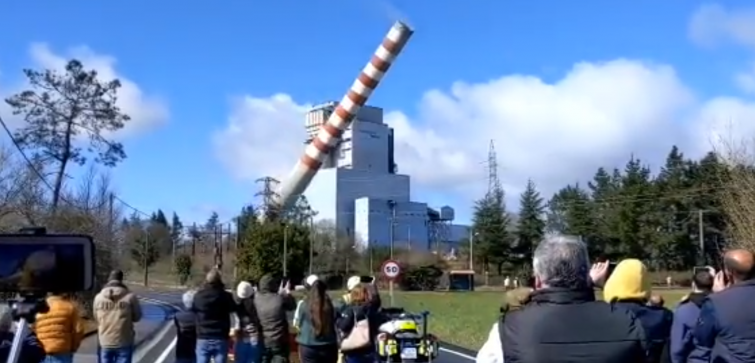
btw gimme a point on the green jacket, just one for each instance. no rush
(306, 334)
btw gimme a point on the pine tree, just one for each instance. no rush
(491, 227)
(531, 226)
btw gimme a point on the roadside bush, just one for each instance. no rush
(422, 278)
(183, 265)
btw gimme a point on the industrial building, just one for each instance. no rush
(372, 200)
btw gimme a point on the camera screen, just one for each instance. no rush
(48, 263)
(366, 279)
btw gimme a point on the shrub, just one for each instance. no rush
(422, 278)
(183, 265)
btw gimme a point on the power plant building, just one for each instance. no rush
(372, 200)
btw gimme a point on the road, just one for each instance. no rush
(161, 350)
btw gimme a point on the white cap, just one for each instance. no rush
(311, 279)
(352, 282)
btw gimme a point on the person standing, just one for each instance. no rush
(683, 348)
(308, 282)
(116, 310)
(213, 306)
(185, 322)
(31, 348)
(318, 342)
(248, 346)
(273, 301)
(726, 325)
(358, 309)
(60, 329)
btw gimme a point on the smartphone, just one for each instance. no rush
(38, 263)
(611, 267)
(697, 269)
(366, 279)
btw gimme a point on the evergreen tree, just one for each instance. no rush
(490, 223)
(531, 226)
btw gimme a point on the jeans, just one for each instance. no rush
(59, 358)
(318, 353)
(247, 352)
(275, 354)
(212, 350)
(116, 355)
(366, 357)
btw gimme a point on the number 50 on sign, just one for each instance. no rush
(391, 269)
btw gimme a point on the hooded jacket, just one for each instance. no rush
(629, 287)
(272, 309)
(60, 329)
(116, 309)
(682, 346)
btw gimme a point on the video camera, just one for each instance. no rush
(34, 263)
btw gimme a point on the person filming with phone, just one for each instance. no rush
(273, 301)
(726, 325)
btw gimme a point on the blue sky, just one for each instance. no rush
(199, 56)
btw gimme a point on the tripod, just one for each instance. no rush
(25, 311)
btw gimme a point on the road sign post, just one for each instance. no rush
(391, 271)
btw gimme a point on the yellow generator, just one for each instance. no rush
(404, 338)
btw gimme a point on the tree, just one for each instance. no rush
(531, 226)
(144, 250)
(160, 225)
(176, 230)
(59, 109)
(491, 227)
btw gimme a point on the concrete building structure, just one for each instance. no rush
(372, 200)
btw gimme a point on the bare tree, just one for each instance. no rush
(58, 109)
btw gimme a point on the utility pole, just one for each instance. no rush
(145, 256)
(392, 205)
(701, 235)
(285, 250)
(471, 248)
(236, 243)
(311, 243)
(111, 221)
(194, 236)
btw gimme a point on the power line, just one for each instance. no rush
(42, 177)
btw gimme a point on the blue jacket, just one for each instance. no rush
(683, 348)
(726, 324)
(656, 322)
(31, 350)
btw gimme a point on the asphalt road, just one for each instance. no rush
(162, 351)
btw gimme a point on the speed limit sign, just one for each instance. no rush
(391, 269)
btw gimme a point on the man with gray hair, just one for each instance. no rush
(185, 322)
(562, 321)
(31, 349)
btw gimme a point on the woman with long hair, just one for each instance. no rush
(359, 308)
(318, 342)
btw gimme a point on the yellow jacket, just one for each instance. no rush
(61, 329)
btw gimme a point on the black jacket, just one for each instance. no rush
(565, 326)
(186, 334)
(272, 309)
(349, 315)
(213, 306)
(656, 323)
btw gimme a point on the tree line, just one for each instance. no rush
(673, 218)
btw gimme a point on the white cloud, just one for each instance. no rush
(712, 24)
(146, 111)
(555, 133)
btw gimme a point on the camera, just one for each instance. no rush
(34, 262)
